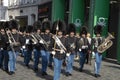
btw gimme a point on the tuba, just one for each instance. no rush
(106, 44)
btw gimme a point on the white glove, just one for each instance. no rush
(68, 54)
(61, 51)
(23, 47)
(79, 49)
(53, 52)
(1, 48)
(41, 42)
(35, 42)
(83, 47)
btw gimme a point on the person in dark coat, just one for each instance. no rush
(82, 47)
(71, 48)
(59, 28)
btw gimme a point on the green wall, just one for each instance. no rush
(58, 10)
(76, 14)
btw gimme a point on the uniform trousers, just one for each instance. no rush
(98, 60)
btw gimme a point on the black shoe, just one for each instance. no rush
(96, 75)
(11, 73)
(36, 70)
(27, 66)
(70, 74)
(80, 70)
(67, 73)
(99, 75)
(50, 66)
(6, 70)
(44, 73)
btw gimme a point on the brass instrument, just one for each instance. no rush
(11, 40)
(72, 46)
(106, 44)
(10, 37)
(59, 43)
(34, 39)
(41, 40)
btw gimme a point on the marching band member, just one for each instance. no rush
(28, 48)
(37, 54)
(89, 54)
(22, 34)
(59, 27)
(46, 27)
(96, 42)
(14, 46)
(82, 47)
(70, 45)
(3, 47)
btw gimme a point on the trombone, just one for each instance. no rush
(10, 37)
(59, 43)
(11, 40)
(41, 40)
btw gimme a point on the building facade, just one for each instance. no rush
(26, 11)
(3, 9)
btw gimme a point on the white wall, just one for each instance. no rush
(5, 2)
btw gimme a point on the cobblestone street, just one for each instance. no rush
(109, 71)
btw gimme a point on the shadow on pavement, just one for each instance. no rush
(111, 61)
(46, 77)
(86, 71)
(113, 66)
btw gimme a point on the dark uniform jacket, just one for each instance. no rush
(59, 55)
(82, 44)
(71, 44)
(17, 38)
(28, 42)
(47, 38)
(97, 41)
(3, 41)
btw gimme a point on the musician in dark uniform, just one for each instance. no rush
(37, 47)
(59, 27)
(46, 28)
(3, 46)
(71, 46)
(22, 34)
(96, 42)
(28, 48)
(82, 47)
(89, 52)
(14, 46)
